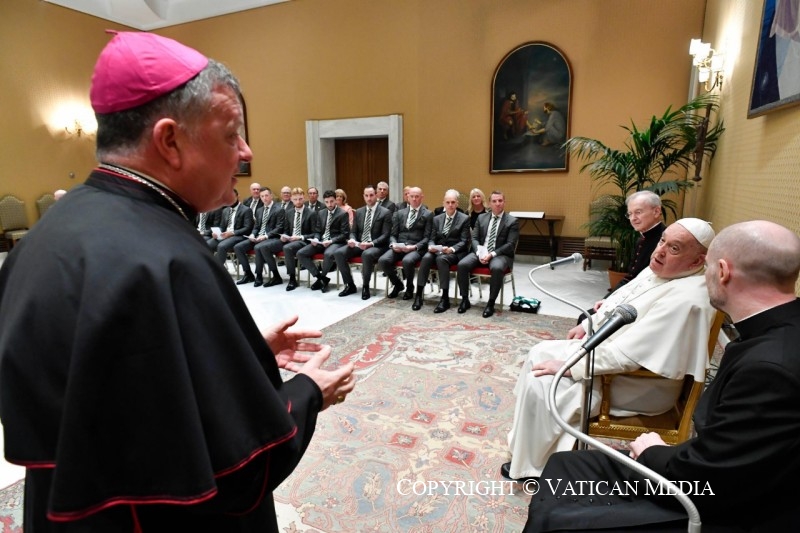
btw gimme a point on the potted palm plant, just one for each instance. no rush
(655, 158)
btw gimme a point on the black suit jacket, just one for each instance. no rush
(417, 234)
(340, 225)
(381, 226)
(307, 222)
(458, 238)
(317, 207)
(242, 222)
(388, 204)
(276, 220)
(507, 233)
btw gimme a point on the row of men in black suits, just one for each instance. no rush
(410, 237)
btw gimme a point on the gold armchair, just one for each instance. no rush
(13, 219)
(673, 426)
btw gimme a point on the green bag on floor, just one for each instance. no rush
(525, 305)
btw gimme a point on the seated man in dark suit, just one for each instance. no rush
(382, 193)
(743, 465)
(369, 238)
(236, 221)
(494, 241)
(448, 243)
(330, 232)
(313, 202)
(258, 235)
(408, 241)
(300, 223)
(273, 224)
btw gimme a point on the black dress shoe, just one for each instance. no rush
(417, 302)
(348, 290)
(325, 282)
(395, 291)
(443, 306)
(317, 285)
(292, 285)
(245, 280)
(259, 282)
(365, 293)
(488, 310)
(408, 295)
(464, 305)
(505, 471)
(274, 281)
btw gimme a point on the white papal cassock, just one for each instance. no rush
(669, 337)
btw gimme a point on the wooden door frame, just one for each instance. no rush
(320, 148)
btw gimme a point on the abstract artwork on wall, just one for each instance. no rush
(776, 74)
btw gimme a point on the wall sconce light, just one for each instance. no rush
(73, 120)
(709, 64)
(76, 129)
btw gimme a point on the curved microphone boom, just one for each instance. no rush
(622, 315)
(574, 258)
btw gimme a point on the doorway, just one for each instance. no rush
(361, 162)
(321, 136)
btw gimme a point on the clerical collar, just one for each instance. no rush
(149, 182)
(651, 228)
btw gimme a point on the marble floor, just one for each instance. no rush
(317, 310)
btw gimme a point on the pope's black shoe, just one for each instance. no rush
(505, 471)
(245, 280)
(464, 305)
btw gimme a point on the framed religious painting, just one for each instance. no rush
(244, 166)
(776, 74)
(531, 95)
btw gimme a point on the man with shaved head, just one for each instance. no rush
(408, 242)
(745, 459)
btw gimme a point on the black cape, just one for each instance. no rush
(134, 384)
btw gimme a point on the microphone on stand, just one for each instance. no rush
(574, 258)
(623, 314)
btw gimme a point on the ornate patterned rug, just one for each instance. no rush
(417, 447)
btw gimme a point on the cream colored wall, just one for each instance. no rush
(322, 59)
(755, 173)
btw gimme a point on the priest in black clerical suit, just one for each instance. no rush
(407, 243)
(448, 243)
